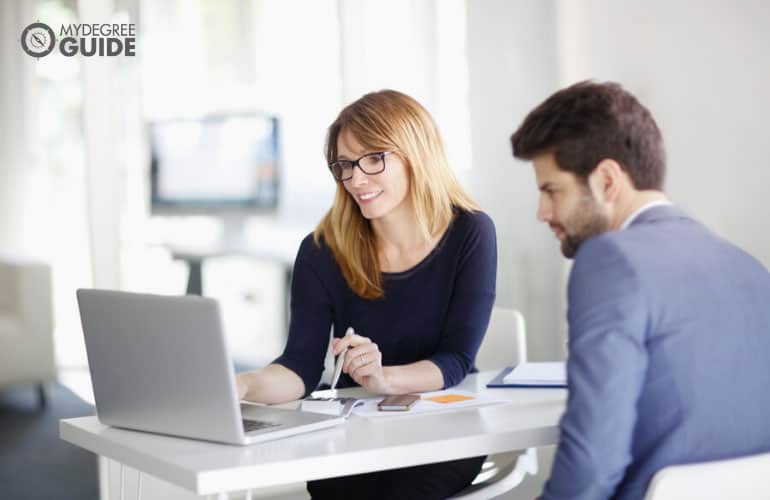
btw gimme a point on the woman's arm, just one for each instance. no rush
(473, 296)
(363, 362)
(422, 376)
(297, 370)
(270, 385)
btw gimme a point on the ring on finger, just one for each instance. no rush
(361, 360)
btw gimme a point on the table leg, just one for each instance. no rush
(122, 482)
(195, 279)
(104, 478)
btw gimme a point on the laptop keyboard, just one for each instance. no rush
(257, 425)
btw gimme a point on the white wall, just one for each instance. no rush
(511, 55)
(703, 69)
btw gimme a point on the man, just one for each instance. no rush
(669, 325)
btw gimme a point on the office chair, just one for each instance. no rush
(743, 477)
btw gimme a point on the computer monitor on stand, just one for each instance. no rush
(224, 165)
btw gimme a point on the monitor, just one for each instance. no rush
(224, 163)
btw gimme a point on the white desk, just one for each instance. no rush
(360, 445)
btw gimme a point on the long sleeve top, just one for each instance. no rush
(438, 310)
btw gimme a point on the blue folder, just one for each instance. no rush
(497, 382)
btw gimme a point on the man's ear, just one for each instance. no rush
(607, 180)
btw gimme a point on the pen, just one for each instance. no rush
(340, 360)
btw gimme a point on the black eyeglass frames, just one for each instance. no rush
(370, 164)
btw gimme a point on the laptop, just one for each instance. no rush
(160, 364)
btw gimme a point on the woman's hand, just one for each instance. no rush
(363, 362)
(242, 385)
(269, 385)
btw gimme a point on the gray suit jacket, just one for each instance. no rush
(669, 356)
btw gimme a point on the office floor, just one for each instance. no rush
(34, 462)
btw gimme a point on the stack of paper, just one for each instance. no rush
(551, 374)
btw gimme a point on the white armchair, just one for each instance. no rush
(26, 323)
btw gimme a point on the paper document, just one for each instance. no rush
(543, 374)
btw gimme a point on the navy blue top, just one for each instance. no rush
(438, 310)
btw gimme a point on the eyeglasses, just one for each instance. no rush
(370, 164)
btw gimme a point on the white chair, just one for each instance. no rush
(26, 323)
(505, 342)
(504, 345)
(744, 477)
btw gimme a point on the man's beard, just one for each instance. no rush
(586, 221)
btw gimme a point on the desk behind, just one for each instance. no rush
(272, 243)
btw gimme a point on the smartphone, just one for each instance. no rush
(398, 403)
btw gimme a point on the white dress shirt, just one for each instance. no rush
(641, 209)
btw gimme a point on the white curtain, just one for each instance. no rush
(416, 47)
(41, 193)
(61, 159)
(18, 164)
(104, 163)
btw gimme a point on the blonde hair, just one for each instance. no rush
(389, 121)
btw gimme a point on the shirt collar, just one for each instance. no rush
(630, 219)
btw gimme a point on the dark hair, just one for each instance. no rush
(588, 122)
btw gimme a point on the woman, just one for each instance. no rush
(406, 258)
